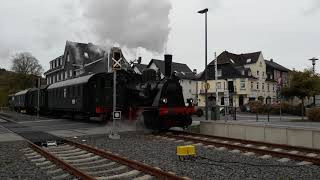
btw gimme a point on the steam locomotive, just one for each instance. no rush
(158, 101)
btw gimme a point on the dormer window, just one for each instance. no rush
(248, 60)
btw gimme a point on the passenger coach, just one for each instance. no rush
(83, 95)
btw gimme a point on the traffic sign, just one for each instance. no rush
(117, 115)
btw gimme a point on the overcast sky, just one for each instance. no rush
(287, 31)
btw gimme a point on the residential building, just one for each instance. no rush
(241, 78)
(277, 73)
(138, 68)
(80, 59)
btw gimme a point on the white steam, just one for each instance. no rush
(129, 23)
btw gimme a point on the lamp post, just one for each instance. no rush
(204, 11)
(313, 60)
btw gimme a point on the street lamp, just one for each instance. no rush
(313, 60)
(204, 11)
(313, 63)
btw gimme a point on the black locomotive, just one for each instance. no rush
(158, 101)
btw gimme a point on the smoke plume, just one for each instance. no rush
(129, 23)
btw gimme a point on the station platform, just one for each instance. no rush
(295, 133)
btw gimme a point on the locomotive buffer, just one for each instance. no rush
(116, 115)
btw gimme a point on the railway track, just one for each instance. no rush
(66, 159)
(266, 150)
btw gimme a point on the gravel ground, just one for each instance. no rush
(162, 153)
(15, 165)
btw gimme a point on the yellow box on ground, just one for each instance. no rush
(188, 150)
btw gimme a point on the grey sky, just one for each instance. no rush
(287, 30)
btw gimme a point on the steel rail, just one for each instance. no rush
(127, 162)
(314, 160)
(60, 163)
(243, 141)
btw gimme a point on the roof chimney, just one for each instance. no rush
(167, 64)
(195, 71)
(271, 60)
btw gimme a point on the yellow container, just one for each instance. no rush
(188, 150)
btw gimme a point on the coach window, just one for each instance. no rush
(78, 89)
(64, 92)
(71, 92)
(74, 91)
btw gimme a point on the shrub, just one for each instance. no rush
(314, 114)
(255, 106)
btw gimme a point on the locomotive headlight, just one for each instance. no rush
(164, 100)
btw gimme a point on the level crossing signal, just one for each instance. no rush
(116, 57)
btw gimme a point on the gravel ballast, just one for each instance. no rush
(15, 165)
(209, 164)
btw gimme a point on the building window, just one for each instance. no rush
(58, 77)
(257, 85)
(262, 87)
(219, 72)
(70, 73)
(251, 85)
(218, 85)
(268, 86)
(48, 80)
(242, 84)
(53, 79)
(51, 65)
(61, 76)
(258, 73)
(55, 63)
(66, 75)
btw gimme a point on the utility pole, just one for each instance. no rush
(204, 11)
(38, 106)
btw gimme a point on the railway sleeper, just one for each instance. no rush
(109, 171)
(127, 175)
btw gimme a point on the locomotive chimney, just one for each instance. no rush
(167, 64)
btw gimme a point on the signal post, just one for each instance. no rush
(116, 115)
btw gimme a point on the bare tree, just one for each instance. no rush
(26, 63)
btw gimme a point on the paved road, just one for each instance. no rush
(68, 127)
